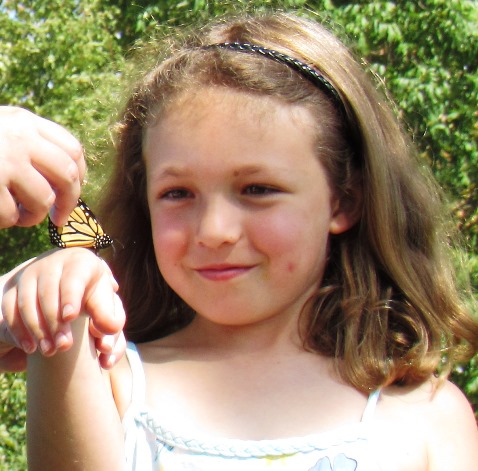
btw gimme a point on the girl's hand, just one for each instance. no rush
(42, 297)
(42, 167)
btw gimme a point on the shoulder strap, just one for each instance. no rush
(369, 410)
(138, 389)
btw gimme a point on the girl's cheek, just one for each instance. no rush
(292, 240)
(169, 240)
(278, 234)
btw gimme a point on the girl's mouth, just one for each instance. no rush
(222, 272)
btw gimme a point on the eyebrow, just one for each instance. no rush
(179, 171)
(173, 172)
(248, 170)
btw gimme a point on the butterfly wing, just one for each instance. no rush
(81, 230)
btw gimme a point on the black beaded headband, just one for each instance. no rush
(295, 64)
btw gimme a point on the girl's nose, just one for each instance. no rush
(219, 223)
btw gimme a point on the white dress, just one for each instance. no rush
(150, 447)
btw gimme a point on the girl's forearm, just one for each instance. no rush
(72, 420)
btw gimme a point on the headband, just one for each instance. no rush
(295, 64)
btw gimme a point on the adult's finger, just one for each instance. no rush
(32, 193)
(9, 212)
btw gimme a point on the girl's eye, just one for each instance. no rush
(176, 194)
(259, 190)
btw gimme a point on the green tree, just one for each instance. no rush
(426, 54)
(60, 59)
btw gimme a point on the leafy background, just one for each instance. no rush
(66, 59)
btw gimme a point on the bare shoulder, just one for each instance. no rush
(434, 422)
(453, 432)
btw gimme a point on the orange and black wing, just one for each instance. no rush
(81, 230)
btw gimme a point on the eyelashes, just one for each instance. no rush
(253, 190)
(176, 194)
(260, 190)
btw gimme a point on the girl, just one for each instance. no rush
(283, 268)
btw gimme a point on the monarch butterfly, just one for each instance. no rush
(81, 230)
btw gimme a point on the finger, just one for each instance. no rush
(48, 289)
(79, 275)
(87, 285)
(63, 175)
(105, 307)
(63, 338)
(34, 195)
(62, 138)
(13, 331)
(106, 343)
(31, 314)
(9, 213)
(108, 360)
(7, 339)
(49, 300)
(70, 171)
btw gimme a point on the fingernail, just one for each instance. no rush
(53, 215)
(67, 312)
(45, 345)
(51, 199)
(72, 171)
(108, 341)
(28, 347)
(61, 340)
(111, 361)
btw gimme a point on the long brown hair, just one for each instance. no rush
(388, 308)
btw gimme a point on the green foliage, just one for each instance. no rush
(466, 377)
(64, 60)
(60, 59)
(54, 54)
(12, 422)
(426, 53)
(142, 16)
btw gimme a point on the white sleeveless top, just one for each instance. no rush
(150, 447)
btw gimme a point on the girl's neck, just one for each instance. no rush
(272, 335)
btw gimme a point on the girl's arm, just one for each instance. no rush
(72, 420)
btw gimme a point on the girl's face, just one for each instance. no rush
(241, 208)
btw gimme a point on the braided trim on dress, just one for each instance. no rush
(235, 448)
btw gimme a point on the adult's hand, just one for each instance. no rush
(41, 169)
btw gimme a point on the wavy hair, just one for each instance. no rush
(388, 308)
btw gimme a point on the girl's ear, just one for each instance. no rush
(346, 212)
